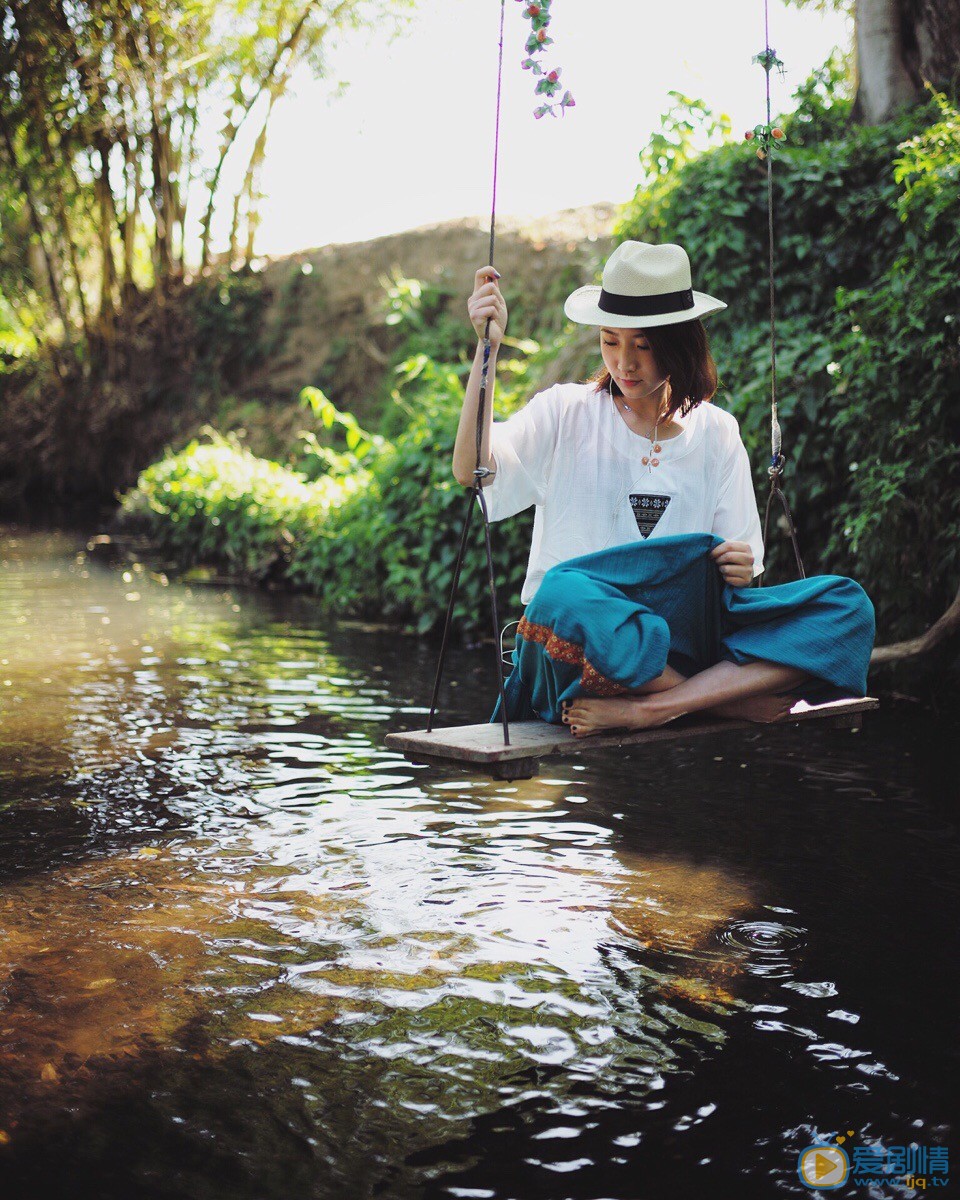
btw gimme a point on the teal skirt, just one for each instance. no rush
(607, 623)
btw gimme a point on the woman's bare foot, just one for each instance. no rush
(764, 709)
(585, 716)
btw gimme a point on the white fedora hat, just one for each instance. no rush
(643, 285)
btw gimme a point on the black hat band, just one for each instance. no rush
(645, 306)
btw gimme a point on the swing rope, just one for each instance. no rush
(777, 460)
(480, 471)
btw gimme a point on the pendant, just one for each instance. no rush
(655, 462)
(657, 448)
(644, 460)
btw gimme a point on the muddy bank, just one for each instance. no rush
(334, 311)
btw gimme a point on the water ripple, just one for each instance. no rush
(771, 946)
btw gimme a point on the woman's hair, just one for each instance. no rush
(682, 352)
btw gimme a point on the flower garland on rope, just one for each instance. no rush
(538, 14)
(766, 136)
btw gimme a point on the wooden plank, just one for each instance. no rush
(482, 745)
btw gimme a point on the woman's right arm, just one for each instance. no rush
(486, 302)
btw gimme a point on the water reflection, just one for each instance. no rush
(218, 882)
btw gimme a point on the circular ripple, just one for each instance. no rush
(771, 945)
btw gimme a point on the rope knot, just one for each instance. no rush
(776, 467)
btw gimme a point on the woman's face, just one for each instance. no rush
(629, 359)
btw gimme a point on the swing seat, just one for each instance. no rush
(481, 749)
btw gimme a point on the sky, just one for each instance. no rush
(401, 133)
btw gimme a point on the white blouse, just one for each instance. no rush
(569, 452)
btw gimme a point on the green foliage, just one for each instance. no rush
(396, 541)
(431, 356)
(423, 314)
(370, 525)
(288, 308)
(897, 393)
(216, 503)
(844, 6)
(17, 333)
(349, 540)
(929, 169)
(226, 315)
(684, 129)
(321, 459)
(375, 535)
(824, 101)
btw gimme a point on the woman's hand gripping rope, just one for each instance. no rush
(487, 302)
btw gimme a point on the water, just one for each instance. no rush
(248, 952)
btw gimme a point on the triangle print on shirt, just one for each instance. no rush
(648, 509)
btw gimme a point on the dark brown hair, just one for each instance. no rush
(682, 352)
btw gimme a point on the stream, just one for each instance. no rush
(248, 952)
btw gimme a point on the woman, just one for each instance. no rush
(646, 520)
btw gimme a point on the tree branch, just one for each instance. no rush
(942, 638)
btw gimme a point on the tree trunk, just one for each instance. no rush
(133, 188)
(108, 223)
(162, 233)
(884, 82)
(931, 43)
(901, 45)
(255, 167)
(190, 161)
(234, 231)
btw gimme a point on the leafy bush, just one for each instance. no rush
(226, 315)
(896, 391)
(216, 503)
(377, 541)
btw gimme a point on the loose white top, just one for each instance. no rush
(569, 452)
